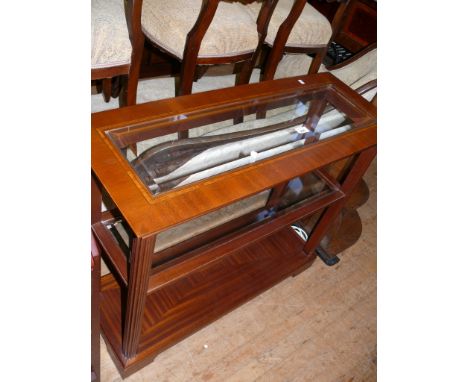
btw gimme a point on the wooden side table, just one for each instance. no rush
(237, 188)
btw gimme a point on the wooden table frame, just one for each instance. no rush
(134, 284)
(95, 282)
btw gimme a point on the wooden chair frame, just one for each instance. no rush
(129, 73)
(190, 58)
(127, 97)
(106, 75)
(279, 47)
(366, 87)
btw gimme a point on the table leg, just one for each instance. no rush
(351, 180)
(140, 266)
(95, 315)
(96, 200)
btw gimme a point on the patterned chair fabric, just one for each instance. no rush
(167, 23)
(311, 29)
(356, 74)
(110, 43)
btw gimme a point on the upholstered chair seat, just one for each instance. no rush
(311, 30)
(110, 42)
(356, 74)
(167, 23)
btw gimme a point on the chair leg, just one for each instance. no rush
(107, 88)
(243, 78)
(130, 91)
(116, 86)
(187, 75)
(123, 101)
(317, 61)
(264, 52)
(200, 72)
(128, 94)
(123, 95)
(133, 149)
(134, 73)
(182, 134)
(272, 61)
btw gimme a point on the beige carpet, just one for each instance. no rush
(217, 77)
(319, 326)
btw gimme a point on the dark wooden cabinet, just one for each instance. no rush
(359, 25)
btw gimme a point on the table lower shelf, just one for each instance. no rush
(189, 303)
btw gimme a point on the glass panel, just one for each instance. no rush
(209, 221)
(188, 230)
(302, 188)
(332, 122)
(237, 137)
(168, 163)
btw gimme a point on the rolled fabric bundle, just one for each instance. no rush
(195, 163)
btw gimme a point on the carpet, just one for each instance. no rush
(217, 77)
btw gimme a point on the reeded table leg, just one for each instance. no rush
(140, 265)
(95, 317)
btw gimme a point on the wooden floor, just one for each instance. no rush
(319, 326)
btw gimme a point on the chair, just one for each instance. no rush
(111, 47)
(199, 32)
(297, 27)
(358, 72)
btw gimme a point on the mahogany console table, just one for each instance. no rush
(196, 226)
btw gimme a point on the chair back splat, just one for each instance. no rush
(281, 37)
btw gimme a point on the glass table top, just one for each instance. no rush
(248, 135)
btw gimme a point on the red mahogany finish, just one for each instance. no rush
(152, 299)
